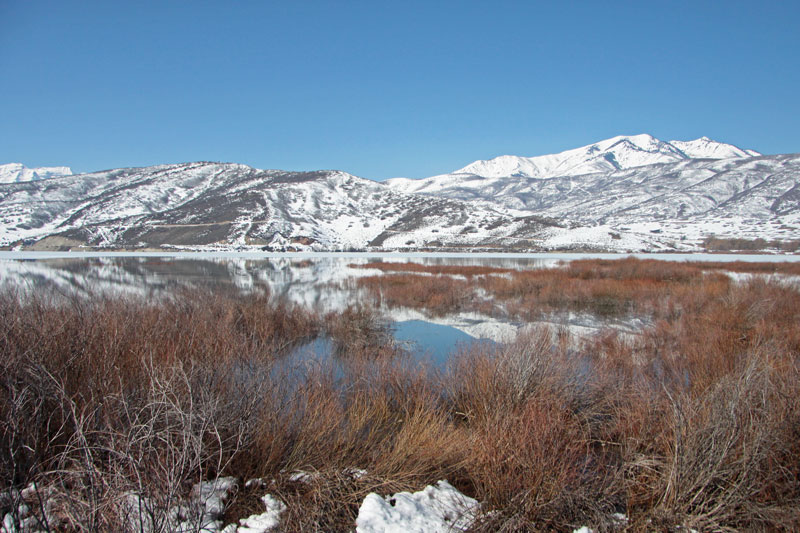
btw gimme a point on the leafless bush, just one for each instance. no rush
(117, 408)
(130, 462)
(360, 331)
(723, 464)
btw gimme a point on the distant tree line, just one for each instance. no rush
(718, 244)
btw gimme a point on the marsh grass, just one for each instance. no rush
(694, 422)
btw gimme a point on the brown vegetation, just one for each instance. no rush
(609, 288)
(693, 423)
(437, 295)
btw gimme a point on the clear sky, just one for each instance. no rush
(383, 89)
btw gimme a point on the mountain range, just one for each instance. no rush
(627, 193)
(617, 153)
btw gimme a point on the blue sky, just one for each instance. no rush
(383, 89)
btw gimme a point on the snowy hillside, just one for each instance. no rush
(705, 148)
(636, 192)
(761, 186)
(228, 205)
(613, 154)
(14, 172)
(623, 194)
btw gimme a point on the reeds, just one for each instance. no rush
(607, 288)
(692, 423)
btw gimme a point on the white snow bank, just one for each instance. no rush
(212, 495)
(202, 513)
(261, 523)
(439, 508)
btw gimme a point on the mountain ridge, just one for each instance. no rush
(622, 147)
(674, 204)
(616, 153)
(215, 204)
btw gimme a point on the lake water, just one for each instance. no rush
(323, 282)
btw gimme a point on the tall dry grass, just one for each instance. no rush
(607, 288)
(692, 423)
(436, 295)
(105, 397)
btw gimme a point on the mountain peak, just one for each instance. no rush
(620, 152)
(15, 172)
(641, 140)
(705, 148)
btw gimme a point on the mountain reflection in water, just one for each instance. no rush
(324, 283)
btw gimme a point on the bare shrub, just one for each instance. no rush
(437, 295)
(535, 468)
(360, 331)
(530, 411)
(723, 458)
(117, 407)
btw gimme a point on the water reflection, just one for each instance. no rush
(323, 283)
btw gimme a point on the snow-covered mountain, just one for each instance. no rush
(705, 148)
(14, 172)
(626, 193)
(637, 190)
(229, 205)
(617, 153)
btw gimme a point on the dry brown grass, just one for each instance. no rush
(790, 268)
(694, 422)
(608, 288)
(437, 295)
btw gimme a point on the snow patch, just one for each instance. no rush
(439, 508)
(261, 523)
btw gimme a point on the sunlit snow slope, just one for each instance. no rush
(625, 194)
(229, 205)
(613, 154)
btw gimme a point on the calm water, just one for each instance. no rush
(323, 282)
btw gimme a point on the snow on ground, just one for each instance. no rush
(436, 508)
(782, 279)
(260, 523)
(604, 237)
(201, 513)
